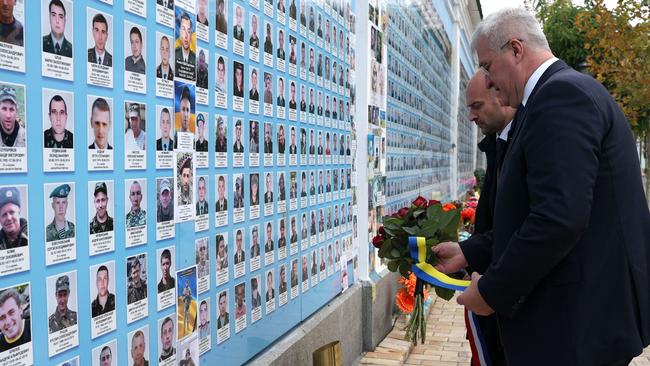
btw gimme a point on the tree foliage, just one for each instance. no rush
(558, 19)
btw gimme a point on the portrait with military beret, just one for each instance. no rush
(13, 217)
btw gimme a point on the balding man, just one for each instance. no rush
(569, 264)
(494, 120)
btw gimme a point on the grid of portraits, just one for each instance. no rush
(189, 158)
(419, 108)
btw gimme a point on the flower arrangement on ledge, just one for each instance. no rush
(405, 241)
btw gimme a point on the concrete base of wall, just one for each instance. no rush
(340, 320)
(359, 318)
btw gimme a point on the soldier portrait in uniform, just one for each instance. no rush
(15, 317)
(136, 216)
(202, 258)
(204, 319)
(164, 69)
(221, 144)
(104, 301)
(136, 274)
(101, 222)
(222, 201)
(201, 143)
(12, 126)
(201, 202)
(62, 317)
(167, 282)
(165, 204)
(60, 227)
(202, 71)
(166, 345)
(223, 318)
(185, 180)
(240, 254)
(183, 54)
(98, 54)
(55, 41)
(238, 195)
(13, 227)
(165, 142)
(58, 134)
(138, 347)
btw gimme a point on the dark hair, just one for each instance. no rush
(166, 254)
(136, 31)
(102, 268)
(185, 94)
(186, 16)
(58, 3)
(99, 18)
(167, 320)
(10, 293)
(165, 110)
(109, 349)
(58, 98)
(100, 104)
(222, 294)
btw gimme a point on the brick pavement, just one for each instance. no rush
(445, 343)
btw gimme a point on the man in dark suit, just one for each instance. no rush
(487, 111)
(55, 42)
(238, 29)
(99, 54)
(567, 261)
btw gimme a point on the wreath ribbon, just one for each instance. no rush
(426, 271)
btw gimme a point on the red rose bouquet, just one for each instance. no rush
(405, 241)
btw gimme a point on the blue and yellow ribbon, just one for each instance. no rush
(426, 271)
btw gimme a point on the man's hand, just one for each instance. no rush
(450, 257)
(471, 298)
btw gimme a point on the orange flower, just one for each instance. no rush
(448, 207)
(467, 214)
(404, 299)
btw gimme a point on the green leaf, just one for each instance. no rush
(394, 253)
(429, 229)
(404, 269)
(392, 265)
(418, 212)
(385, 249)
(433, 210)
(431, 242)
(412, 230)
(444, 293)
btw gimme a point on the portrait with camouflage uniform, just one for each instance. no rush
(63, 317)
(13, 227)
(61, 228)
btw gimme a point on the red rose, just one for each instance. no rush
(402, 212)
(377, 241)
(467, 214)
(433, 202)
(381, 231)
(420, 202)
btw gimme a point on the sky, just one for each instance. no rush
(490, 6)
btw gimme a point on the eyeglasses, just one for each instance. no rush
(486, 67)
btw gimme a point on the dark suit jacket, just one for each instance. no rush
(159, 73)
(106, 61)
(48, 46)
(569, 266)
(485, 208)
(159, 145)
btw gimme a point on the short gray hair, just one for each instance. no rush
(508, 23)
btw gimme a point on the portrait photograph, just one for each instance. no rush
(135, 120)
(139, 347)
(102, 298)
(14, 235)
(164, 66)
(63, 330)
(165, 276)
(105, 354)
(135, 203)
(223, 316)
(13, 113)
(166, 341)
(135, 52)
(202, 260)
(100, 132)
(186, 301)
(185, 45)
(12, 35)
(99, 45)
(60, 221)
(58, 130)
(57, 20)
(221, 241)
